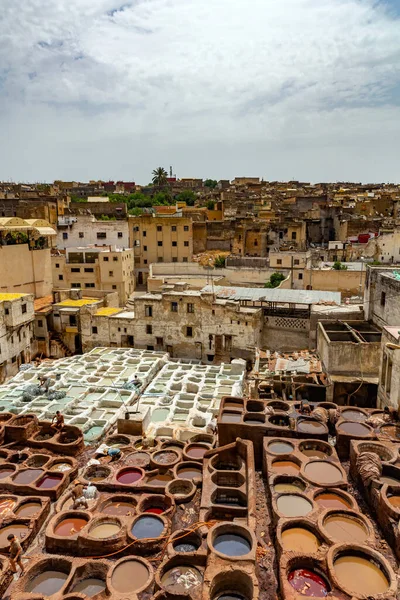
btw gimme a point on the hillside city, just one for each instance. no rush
(199, 389)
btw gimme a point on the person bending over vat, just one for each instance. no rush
(58, 421)
(105, 450)
(15, 554)
(80, 500)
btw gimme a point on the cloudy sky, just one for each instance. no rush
(281, 89)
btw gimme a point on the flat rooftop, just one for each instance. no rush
(273, 295)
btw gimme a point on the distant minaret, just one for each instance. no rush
(170, 171)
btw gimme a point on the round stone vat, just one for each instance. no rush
(131, 575)
(28, 509)
(117, 441)
(345, 526)
(18, 457)
(299, 536)
(181, 579)
(173, 445)
(70, 524)
(203, 438)
(323, 473)
(287, 484)
(232, 584)
(228, 479)
(288, 466)
(105, 528)
(183, 541)
(6, 470)
(166, 458)
(278, 421)
(279, 405)
(315, 449)
(253, 418)
(311, 427)
(328, 405)
(97, 473)
(47, 577)
(335, 499)
(354, 414)
(180, 490)
(253, 406)
(361, 572)
(129, 475)
(384, 453)
(293, 505)
(189, 470)
(138, 459)
(235, 541)
(156, 504)
(308, 581)
(60, 466)
(119, 505)
(355, 429)
(20, 529)
(37, 460)
(278, 446)
(231, 417)
(148, 527)
(390, 475)
(89, 586)
(158, 478)
(391, 498)
(195, 451)
(390, 431)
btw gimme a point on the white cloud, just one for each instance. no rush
(277, 88)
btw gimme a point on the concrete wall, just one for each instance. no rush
(381, 297)
(25, 271)
(85, 233)
(389, 375)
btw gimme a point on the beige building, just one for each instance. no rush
(156, 239)
(16, 332)
(389, 377)
(90, 268)
(25, 256)
(86, 230)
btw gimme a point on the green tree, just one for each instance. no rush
(211, 183)
(135, 211)
(162, 198)
(187, 196)
(160, 177)
(210, 205)
(274, 280)
(338, 266)
(78, 199)
(219, 261)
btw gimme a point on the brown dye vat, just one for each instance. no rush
(286, 466)
(18, 529)
(314, 427)
(196, 451)
(26, 477)
(232, 404)
(70, 527)
(48, 482)
(6, 506)
(6, 472)
(292, 505)
(323, 472)
(288, 487)
(160, 479)
(28, 509)
(299, 539)
(314, 453)
(104, 531)
(123, 509)
(360, 576)
(231, 417)
(165, 457)
(389, 480)
(280, 447)
(90, 587)
(354, 428)
(345, 529)
(47, 583)
(60, 467)
(331, 500)
(394, 501)
(181, 579)
(189, 473)
(138, 459)
(354, 415)
(129, 576)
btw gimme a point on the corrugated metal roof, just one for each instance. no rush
(273, 295)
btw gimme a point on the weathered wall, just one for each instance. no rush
(25, 271)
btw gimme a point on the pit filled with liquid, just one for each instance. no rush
(345, 529)
(299, 539)
(129, 476)
(104, 531)
(28, 509)
(286, 466)
(147, 527)
(280, 447)
(122, 509)
(292, 505)
(360, 576)
(308, 583)
(232, 544)
(129, 576)
(47, 583)
(70, 527)
(323, 472)
(332, 500)
(182, 578)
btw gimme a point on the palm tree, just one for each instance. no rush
(160, 177)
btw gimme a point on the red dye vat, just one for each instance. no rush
(49, 481)
(308, 583)
(128, 476)
(154, 510)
